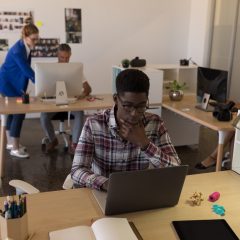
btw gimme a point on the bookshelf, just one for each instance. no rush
(177, 125)
(171, 72)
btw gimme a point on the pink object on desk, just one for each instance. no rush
(214, 197)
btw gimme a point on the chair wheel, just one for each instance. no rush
(43, 146)
(45, 141)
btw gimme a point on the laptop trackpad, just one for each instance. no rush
(101, 198)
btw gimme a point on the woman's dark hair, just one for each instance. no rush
(132, 80)
(64, 47)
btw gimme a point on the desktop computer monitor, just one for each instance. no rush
(213, 82)
(47, 74)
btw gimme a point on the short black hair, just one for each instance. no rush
(132, 80)
(64, 47)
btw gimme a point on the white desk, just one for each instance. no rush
(60, 209)
(186, 108)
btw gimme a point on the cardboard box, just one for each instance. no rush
(16, 228)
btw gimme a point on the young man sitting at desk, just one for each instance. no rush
(64, 54)
(123, 138)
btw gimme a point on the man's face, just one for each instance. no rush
(64, 56)
(131, 107)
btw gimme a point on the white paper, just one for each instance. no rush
(113, 228)
(73, 233)
(103, 229)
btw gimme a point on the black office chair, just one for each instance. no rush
(65, 133)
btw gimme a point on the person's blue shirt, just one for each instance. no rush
(16, 71)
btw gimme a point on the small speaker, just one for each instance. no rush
(137, 62)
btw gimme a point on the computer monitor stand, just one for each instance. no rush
(204, 105)
(61, 93)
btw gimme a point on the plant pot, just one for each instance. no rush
(176, 95)
(125, 65)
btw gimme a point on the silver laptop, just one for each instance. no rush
(142, 190)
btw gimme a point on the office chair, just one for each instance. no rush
(65, 133)
(24, 187)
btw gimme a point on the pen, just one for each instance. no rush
(13, 208)
(23, 204)
(5, 205)
(25, 93)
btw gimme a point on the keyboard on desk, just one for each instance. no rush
(53, 99)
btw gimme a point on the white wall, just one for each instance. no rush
(235, 79)
(200, 31)
(223, 34)
(157, 30)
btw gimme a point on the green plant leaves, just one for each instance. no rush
(175, 86)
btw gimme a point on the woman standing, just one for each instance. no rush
(14, 76)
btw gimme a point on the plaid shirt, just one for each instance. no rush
(101, 151)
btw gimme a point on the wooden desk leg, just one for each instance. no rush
(2, 144)
(221, 138)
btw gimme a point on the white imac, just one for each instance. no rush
(47, 75)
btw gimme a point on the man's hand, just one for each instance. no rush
(86, 88)
(134, 133)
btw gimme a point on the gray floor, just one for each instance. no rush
(48, 171)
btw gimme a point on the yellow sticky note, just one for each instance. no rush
(39, 23)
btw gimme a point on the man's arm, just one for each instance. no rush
(81, 172)
(86, 88)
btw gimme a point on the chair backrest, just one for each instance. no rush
(68, 183)
(24, 187)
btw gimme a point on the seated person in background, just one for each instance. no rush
(64, 54)
(123, 138)
(211, 160)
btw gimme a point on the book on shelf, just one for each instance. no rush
(101, 229)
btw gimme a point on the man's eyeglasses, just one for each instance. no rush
(130, 107)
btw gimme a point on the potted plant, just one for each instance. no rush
(176, 90)
(125, 63)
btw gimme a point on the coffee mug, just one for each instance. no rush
(25, 98)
